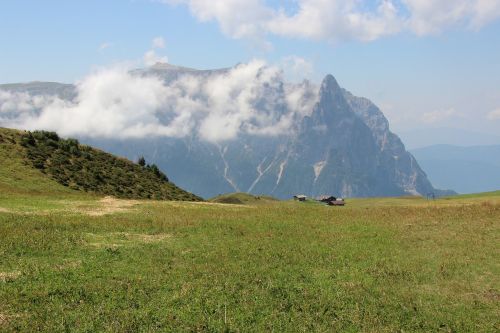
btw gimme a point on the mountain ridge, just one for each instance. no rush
(343, 146)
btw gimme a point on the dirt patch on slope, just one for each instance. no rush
(9, 276)
(110, 205)
(5, 318)
(200, 204)
(116, 239)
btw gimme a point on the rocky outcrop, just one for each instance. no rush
(342, 147)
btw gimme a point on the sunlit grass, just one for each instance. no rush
(71, 261)
(373, 265)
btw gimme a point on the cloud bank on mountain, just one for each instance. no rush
(250, 98)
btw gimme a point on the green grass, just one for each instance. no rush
(75, 261)
(375, 265)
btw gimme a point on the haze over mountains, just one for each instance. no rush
(420, 138)
(237, 129)
(469, 169)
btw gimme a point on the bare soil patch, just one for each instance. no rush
(9, 276)
(205, 204)
(110, 205)
(116, 239)
(69, 264)
(5, 318)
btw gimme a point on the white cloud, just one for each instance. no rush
(430, 17)
(439, 116)
(236, 18)
(151, 58)
(494, 115)
(250, 98)
(104, 46)
(110, 103)
(296, 68)
(158, 43)
(334, 20)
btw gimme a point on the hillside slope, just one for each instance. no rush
(18, 177)
(42, 162)
(243, 199)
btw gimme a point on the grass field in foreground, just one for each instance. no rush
(88, 264)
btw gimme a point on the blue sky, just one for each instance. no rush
(423, 66)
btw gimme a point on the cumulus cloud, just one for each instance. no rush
(430, 17)
(439, 116)
(249, 99)
(22, 102)
(104, 46)
(236, 18)
(494, 115)
(158, 43)
(296, 68)
(151, 57)
(334, 20)
(110, 103)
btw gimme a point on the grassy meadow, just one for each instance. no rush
(78, 262)
(377, 265)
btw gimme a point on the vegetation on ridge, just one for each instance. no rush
(242, 199)
(84, 168)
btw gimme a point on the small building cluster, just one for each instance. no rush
(300, 197)
(337, 202)
(327, 199)
(331, 200)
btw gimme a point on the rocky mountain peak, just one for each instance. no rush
(329, 84)
(341, 145)
(332, 105)
(330, 92)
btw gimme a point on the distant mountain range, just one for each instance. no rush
(421, 138)
(465, 169)
(343, 147)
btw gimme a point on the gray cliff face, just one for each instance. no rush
(337, 151)
(405, 171)
(343, 147)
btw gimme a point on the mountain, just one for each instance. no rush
(465, 169)
(341, 146)
(50, 159)
(37, 88)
